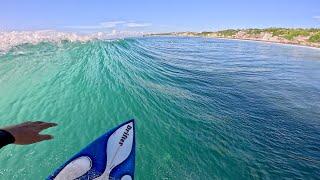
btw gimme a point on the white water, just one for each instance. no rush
(15, 38)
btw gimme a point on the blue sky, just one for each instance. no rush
(156, 15)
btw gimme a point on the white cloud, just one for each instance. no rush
(133, 24)
(102, 25)
(316, 17)
(84, 27)
(111, 24)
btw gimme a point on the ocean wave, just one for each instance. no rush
(244, 109)
(15, 38)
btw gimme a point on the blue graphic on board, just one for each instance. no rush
(111, 156)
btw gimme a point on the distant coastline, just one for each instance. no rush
(271, 42)
(301, 37)
(298, 37)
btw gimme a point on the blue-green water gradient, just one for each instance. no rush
(204, 108)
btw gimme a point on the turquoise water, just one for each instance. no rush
(204, 108)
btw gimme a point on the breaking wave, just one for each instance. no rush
(11, 39)
(205, 108)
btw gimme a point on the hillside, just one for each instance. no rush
(299, 36)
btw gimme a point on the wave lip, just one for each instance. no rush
(15, 38)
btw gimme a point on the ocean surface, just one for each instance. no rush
(204, 108)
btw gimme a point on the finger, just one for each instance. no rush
(38, 122)
(44, 137)
(42, 122)
(26, 123)
(45, 125)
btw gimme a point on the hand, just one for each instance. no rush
(28, 132)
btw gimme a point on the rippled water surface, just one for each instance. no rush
(205, 108)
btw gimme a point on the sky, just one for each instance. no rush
(156, 15)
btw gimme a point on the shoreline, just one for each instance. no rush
(303, 37)
(264, 41)
(238, 39)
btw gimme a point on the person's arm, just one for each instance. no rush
(5, 138)
(24, 133)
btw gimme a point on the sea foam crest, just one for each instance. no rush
(15, 38)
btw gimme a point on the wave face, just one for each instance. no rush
(205, 108)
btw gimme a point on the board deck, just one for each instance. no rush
(111, 156)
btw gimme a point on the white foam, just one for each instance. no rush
(15, 38)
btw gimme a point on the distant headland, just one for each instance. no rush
(298, 36)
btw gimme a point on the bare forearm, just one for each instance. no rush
(6, 138)
(25, 133)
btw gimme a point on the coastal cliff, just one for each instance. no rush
(299, 36)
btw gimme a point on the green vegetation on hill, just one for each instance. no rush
(204, 33)
(228, 32)
(303, 36)
(287, 33)
(255, 31)
(315, 38)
